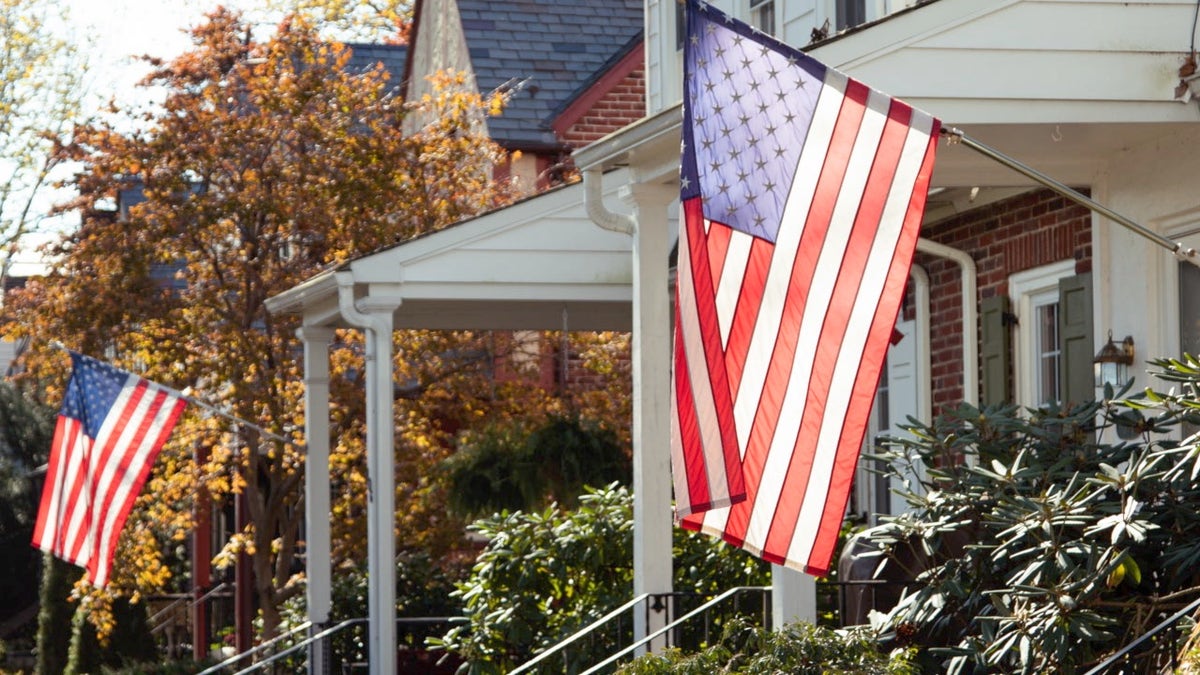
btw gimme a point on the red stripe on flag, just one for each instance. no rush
(699, 496)
(783, 356)
(100, 566)
(865, 385)
(704, 298)
(47, 531)
(833, 330)
(717, 241)
(746, 315)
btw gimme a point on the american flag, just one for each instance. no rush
(111, 427)
(802, 194)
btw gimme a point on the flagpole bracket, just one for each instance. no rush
(1186, 253)
(953, 135)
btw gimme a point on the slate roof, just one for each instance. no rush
(364, 56)
(547, 50)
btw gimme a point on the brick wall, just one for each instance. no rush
(624, 104)
(1032, 229)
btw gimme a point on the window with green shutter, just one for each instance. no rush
(1052, 344)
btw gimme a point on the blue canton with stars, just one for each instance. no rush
(748, 103)
(91, 392)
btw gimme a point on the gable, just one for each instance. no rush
(521, 267)
(617, 98)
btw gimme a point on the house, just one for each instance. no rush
(571, 72)
(1013, 289)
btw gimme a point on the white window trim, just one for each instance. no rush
(1023, 290)
(1185, 229)
(748, 7)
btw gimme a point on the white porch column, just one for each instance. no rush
(316, 487)
(374, 314)
(652, 520)
(793, 597)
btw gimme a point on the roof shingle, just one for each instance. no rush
(544, 51)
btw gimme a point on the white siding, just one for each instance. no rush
(986, 61)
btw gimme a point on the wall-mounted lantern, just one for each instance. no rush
(1112, 362)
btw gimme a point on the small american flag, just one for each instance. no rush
(802, 194)
(111, 427)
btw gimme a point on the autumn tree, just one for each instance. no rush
(267, 162)
(40, 99)
(366, 20)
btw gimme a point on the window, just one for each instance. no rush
(762, 15)
(680, 25)
(851, 13)
(1189, 319)
(1189, 308)
(899, 396)
(1046, 352)
(1038, 351)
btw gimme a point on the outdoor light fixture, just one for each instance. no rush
(1112, 362)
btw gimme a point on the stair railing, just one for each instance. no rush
(162, 618)
(323, 635)
(674, 624)
(256, 650)
(579, 635)
(303, 644)
(1169, 622)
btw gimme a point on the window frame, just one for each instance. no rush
(1028, 290)
(754, 7)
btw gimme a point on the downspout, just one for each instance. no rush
(593, 201)
(924, 372)
(970, 332)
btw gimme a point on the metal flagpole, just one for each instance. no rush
(207, 406)
(1182, 252)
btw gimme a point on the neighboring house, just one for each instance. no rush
(1013, 289)
(572, 71)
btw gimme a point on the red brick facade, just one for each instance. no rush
(621, 106)
(617, 98)
(1020, 233)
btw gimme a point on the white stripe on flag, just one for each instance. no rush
(842, 385)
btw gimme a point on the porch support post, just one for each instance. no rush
(317, 547)
(652, 520)
(793, 597)
(374, 315)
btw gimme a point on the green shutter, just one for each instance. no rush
(994, 350)
(1075, 339)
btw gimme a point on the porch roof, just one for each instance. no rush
(537, 264)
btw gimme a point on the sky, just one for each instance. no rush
(117, 31)
(120, 30)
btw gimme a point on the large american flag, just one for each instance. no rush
(111, 427)
(802, 194)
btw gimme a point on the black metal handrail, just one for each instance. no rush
(236, 658)
(1169, 622)
(701, 610)
(184, 599)
(324, 634)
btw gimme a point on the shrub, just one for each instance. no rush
(512, 466)
(1048, 549)
(545, 575)
(797, 649)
